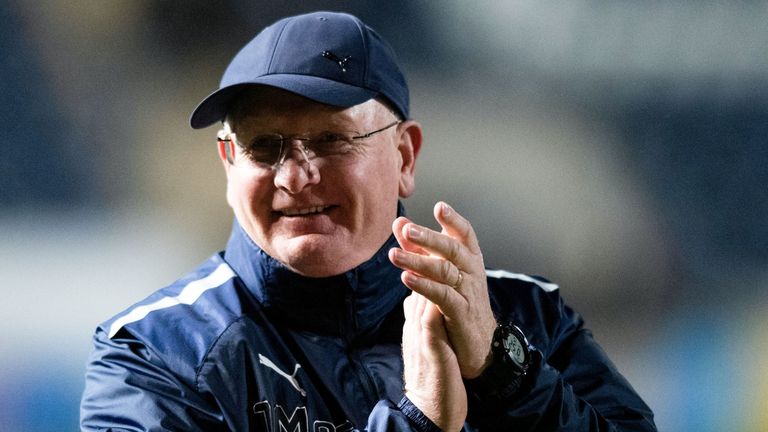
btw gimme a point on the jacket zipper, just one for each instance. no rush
(350, 328)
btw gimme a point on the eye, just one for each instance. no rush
(330, 143)
(265, 148)
(330, 137)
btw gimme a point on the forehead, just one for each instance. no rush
(267, 106)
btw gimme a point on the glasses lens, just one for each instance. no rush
(265, 149)
(328, 144)
(268, 149)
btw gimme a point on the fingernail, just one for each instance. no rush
(397, 254)
(409, 277)
(414, 232)
(446, 210)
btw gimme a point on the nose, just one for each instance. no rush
(295, 171)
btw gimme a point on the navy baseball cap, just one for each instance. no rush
(331, 58)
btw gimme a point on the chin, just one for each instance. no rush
(319, 256)
(318, 268)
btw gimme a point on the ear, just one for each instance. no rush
(409, 147)
(226, 150)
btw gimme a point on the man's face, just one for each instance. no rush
(325, 216)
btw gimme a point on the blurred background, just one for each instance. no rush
(618, 149)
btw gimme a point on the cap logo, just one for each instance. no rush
(342, 62)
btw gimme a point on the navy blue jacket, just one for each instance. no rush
(244, 344)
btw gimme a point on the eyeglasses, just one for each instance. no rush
(272, 149)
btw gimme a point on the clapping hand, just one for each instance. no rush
(446, 272)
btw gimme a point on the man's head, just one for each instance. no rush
(331, 58)
(315, 159)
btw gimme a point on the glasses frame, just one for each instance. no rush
(225, 135)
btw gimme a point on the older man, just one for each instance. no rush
(329, 310)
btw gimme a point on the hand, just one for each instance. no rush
(447, 268)
(431, 372)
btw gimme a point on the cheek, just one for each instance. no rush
(246, 192)
(386, 172)
(379, 181)
(369, 180)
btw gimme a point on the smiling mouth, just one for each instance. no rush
(305, 211)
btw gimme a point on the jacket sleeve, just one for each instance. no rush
(572, 384)
(405, 416)
(128, 389)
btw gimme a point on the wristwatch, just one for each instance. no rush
(510, 346)
(511, 359)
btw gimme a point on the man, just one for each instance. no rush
(329, 310)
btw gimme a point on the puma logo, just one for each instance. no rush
(291, 378)
(342, 62)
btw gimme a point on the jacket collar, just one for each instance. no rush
(353, 303)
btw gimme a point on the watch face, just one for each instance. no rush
(515, 349)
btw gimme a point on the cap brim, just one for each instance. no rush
(214, 107)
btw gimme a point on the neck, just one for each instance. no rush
(354, 302)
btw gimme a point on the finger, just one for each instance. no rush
(433, 325)
(447, 299)
(432, 267)
(420, 305)
(405, 243)
(437, 244)
(411, 327)
(410, 343)
(456, 226)
(408, 305)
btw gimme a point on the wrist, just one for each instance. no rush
(509, 362)
(416, 416)
(474, 369)
(480, 370)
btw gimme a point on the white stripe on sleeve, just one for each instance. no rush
(188, 295)
(546, 286)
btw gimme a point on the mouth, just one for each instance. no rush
(308, 211)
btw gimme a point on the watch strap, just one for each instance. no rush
(496, 382)
(502, 378)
